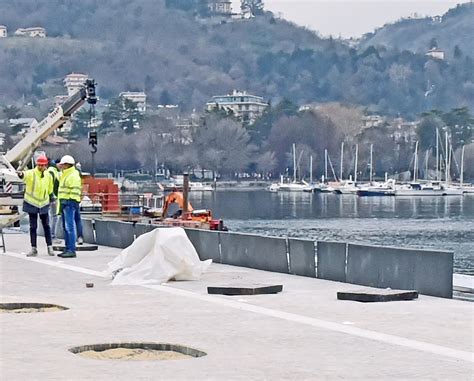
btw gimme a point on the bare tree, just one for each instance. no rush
(254, 7)
(223, 145)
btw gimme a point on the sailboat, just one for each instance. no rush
(415, 188)
(348, 186)
(294, 186)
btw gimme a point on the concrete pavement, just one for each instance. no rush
(302, 333)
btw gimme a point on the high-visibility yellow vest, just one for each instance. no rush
(38, 187)
(70, 185)
(55, 174)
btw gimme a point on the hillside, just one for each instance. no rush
(177, 57)
(455, 28)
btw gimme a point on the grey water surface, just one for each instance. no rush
(443, 223)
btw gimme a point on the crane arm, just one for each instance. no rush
(20, 154)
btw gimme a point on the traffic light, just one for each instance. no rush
(93, 138)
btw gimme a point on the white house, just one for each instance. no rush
(435, 53)
(73, 82)
(245, 106)
(31, 32)
(3, 31)
(139, 97)
(220, 7)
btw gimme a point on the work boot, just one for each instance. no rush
(68, 254)
(80, 240)
(33, 252)
(50, 251)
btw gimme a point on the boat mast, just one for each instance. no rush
(437, 154)
(415, 165)
(311, 169)
(426, 164)
(294, 162)
(462, 166)
(447, 159)
(355, 164)
(326, 164)
(371, 161)
(342, 160)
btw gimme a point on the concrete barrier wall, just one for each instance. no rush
(434, 272)
(429, 272)
(301, 254)
(206, 244)
(88, 230)
(140, 229)
(114, 233)
(248, 250)
(332, 261)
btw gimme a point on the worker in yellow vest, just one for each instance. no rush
(38, 189)
(69, 197)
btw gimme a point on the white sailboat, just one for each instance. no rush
(415, 188)
(293, 186)
(349, 186)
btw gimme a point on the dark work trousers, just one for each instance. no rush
(34, 225)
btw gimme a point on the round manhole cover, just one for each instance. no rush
(137, 351)
(21, 308)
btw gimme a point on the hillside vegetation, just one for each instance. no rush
(178, 57)
(455, 28)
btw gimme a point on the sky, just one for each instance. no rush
(351, 18)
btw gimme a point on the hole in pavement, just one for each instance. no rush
(137, 351)
(22, 308)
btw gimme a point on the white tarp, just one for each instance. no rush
(157, 257)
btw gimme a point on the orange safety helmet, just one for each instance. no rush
(42, 160)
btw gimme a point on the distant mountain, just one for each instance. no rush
(178, 56)
(455, 28)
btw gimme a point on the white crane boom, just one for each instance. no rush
(19, 156)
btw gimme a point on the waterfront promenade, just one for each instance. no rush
(303, 333)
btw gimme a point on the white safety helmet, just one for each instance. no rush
(67, 159)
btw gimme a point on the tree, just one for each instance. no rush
(254, 7)
(223, 145)
(12, 112)
(80, 124)
(457, 52)
(461, 125)
(430, 122)
(433, 43)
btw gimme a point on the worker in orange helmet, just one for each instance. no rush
(38, 189)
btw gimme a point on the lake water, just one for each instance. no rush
(423, 222)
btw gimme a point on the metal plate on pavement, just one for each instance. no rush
(249, 289)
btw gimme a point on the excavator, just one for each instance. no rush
(11, 187)
(188, 217)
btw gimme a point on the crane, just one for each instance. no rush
(19, 156)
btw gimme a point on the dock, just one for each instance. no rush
(300, 333)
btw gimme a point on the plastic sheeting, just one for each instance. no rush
(156, 257)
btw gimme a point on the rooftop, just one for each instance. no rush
(302, 333)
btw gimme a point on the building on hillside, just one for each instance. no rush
(24, 125)
(404, 131)
(3, 31)
(169, 112)
(73, 82)
(435, 53)
(244, 106)
(31, 32)
(373, 121)
(138, 97)
(220, 7)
